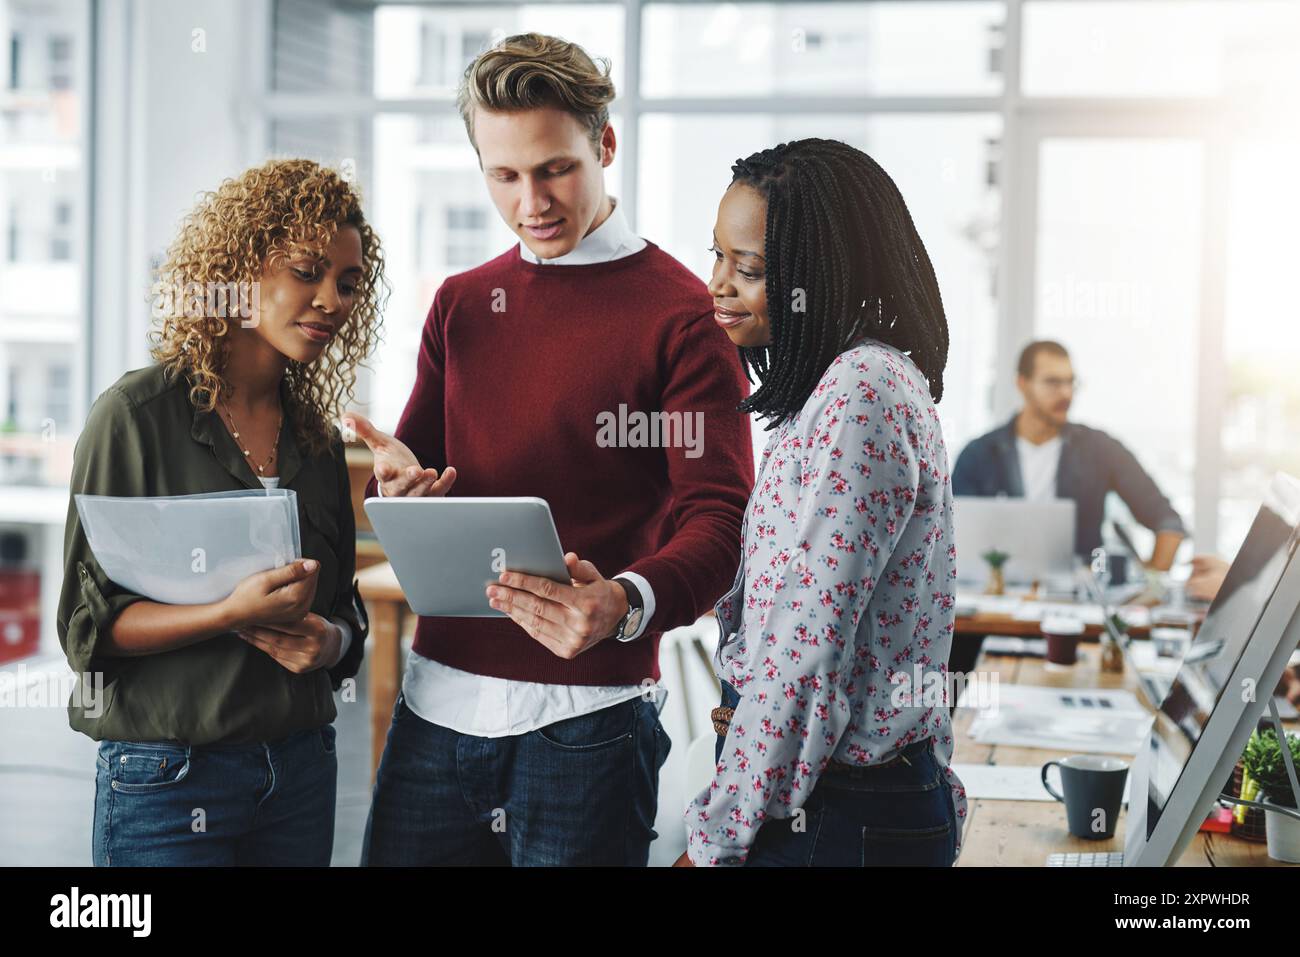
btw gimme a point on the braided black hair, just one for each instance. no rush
(837, 229)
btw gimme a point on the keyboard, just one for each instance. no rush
(1090, 859)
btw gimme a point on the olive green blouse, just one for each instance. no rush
(143, 436)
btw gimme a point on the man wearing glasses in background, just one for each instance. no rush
(1041, 455)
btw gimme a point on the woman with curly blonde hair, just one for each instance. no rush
(215, 721)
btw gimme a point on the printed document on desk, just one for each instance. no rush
(1133, 616)
(1091, 720)
(1007, 782)
(190, 549)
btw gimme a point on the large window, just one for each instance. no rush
(940, 162)
(402, 64)
(42, 228)
(885, 48)
(406, 143)
(1158, 48)
(1111, 173)
(1153, 141)
(1261, 413)
(1117, 237)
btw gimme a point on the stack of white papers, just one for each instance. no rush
(1011, 645)
(1001, 782)
(190, 549)
(989, 604)
(1021, 608)
(1093, 720)
(1134, 616)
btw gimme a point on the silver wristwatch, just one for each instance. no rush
(630, 623)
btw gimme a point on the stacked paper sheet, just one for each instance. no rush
(190, 549)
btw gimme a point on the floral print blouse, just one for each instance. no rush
(841, 617)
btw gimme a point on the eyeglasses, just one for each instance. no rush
(1062, 385)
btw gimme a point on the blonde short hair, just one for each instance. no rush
(532, 70)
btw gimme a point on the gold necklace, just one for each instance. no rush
(234, 431)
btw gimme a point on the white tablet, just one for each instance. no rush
(446, 551)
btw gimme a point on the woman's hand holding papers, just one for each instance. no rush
(397, 470)
(272, 612)
(274, 597)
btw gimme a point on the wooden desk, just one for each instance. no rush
(1023, 833)
(388, 610)
(989, 623)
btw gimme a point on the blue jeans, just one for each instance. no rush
(165, 804)
(895, 816)
(583, 790)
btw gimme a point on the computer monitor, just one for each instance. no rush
(1037, 536)
(1151, 688)
(1225, 681)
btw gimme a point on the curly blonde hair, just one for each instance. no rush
(267, 215)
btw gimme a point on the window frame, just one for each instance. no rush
(1214, 118)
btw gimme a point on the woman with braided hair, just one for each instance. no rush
(834, 737)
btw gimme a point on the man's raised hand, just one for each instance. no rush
(397, 470)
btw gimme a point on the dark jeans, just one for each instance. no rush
(895, 816)
(162, 804)
(583, 790)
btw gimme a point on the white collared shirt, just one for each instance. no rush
(612, 239)
(489, 707)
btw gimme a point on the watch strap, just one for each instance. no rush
(634, 603)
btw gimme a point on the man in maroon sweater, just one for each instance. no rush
(583, 366)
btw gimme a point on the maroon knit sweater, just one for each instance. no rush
(517, 362)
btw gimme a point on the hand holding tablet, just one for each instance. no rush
(484, 557)
(446, 551)
(567, 619)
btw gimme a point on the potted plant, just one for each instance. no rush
(995, 560)
(1266, 768)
